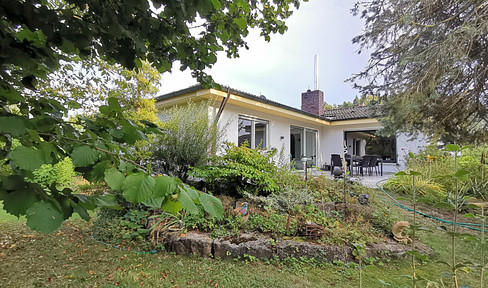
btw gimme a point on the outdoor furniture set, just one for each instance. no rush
(365, 165)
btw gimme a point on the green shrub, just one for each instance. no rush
(427, 189)
(327, 189)
(477, 189)
(61, 173)
(240, 169)
(274, 223)
(471, 160)
(431, 184)
(189, 136)
(353, 229)
(384, 217)
(121, 226)
(285, 200)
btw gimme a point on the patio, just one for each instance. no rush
(389, 170)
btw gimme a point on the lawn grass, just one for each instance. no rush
(70, 258)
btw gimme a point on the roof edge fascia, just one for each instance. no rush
(373, 121)
(201, 93)
(269, 108)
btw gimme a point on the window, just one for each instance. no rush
(254, 131)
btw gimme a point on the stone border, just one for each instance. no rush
(260, 247)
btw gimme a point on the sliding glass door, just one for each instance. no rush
(303, 143)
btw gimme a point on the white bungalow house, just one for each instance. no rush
(308, 132)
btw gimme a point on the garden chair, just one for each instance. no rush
(373, 164)
(335, 161)
(364, 165)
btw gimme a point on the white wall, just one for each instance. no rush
(407, 143)
(278, 127)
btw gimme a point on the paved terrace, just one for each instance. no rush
(389, 170)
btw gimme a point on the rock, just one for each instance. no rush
(394, 249)
(294, 249)
(193, 243)
(243, 245)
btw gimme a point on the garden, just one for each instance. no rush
(96, 190)
(256, 213)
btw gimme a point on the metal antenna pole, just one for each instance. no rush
(316, 72)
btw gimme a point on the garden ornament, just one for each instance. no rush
(337, 172)
(363, 199)
(242, 211)
(397, 232)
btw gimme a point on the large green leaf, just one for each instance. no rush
(13, 125)
(48, 149)
(186, 201)
(114, 178)
(44, 216)
(105, 201)
(17, 203)
(98, 172)
(133, 134)
(82, 212)
(241, 22)
(113, 103)
(462, 173)
(13, 182)
(212, 205)
(138, 187)
(83, 156)
(165, 186)
(452, 147)
(154, 202)
(92, 202)
(191, 192)
(27, 158)
(172, 206)
(216, 4)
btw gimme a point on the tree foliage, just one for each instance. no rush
(363, 100)
(85, 84)
(37, 36)
(429, 63)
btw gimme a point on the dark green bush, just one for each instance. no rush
(240, 169)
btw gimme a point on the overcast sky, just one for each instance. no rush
(284, 67)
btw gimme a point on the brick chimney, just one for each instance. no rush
(313, 102)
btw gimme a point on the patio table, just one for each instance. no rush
(355, 161)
